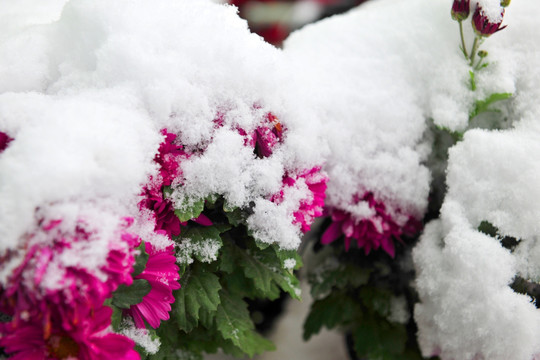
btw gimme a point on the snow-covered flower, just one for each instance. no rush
(162, 274)
(371, 233)
(311, 206)
(84, 337)
(52, 281)
(168, 158)
(483, 25)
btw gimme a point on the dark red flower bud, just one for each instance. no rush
(5, 139)
(460, 9)
(483, 26)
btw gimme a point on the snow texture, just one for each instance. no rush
(86, 87)
(365, 81)
(467, 310)
(379, 73)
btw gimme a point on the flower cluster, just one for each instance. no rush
(56, 304)
(373, 232)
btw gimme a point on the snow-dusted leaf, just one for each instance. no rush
(190, 209)
(234, 323)
(200, 289)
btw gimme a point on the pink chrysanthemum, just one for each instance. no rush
(162, 274)
(377, 231)
(311, 206)
(84, 337)
(5, 139)
(168, 157)
(70, 286)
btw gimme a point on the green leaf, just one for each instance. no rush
(234, 216)
(234, 324)
(140, 260)
(287, 257)
(264, 268)
(203, 243)
(375, 338)
(376, 299)
(341, 277)
(190, 209)
(482, 106)
(336, 309)
(116, 318)
(125, 296)
(200, 289)
(472, 80)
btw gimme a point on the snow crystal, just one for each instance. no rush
(141, 337)
(289, 263)
(205, 250)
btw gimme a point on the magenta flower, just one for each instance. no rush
(85, 338)
(168, 157)
(372, 233)
(268, 135)
(162, 274)
(311, 206)
(483, 26)
(76, 287)
(4, 141)
(460, 9)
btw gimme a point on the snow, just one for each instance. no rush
(87, 86)
(379, 74)
(357, 69)
(142, 337)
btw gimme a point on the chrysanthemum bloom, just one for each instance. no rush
(4, 141)
(268, 135)
(312, 205)
(483, 26)
(374, 232)
(51, 280)
(168, 157)
(84, 337)
(162, 274)
(460, 9)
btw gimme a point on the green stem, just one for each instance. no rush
(463, 47)
(477, 67)
(474, 49)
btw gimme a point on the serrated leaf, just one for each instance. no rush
(200, 289)
(140, 260)
(190, 209)
(287, 256)
(483, 105)
(234, 324)
(204, 242)
(125, 296)
(264, 268)
(336, 309)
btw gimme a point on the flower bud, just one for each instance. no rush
(505, 3)
(484, 26)
(482, 53)
(460, 9)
